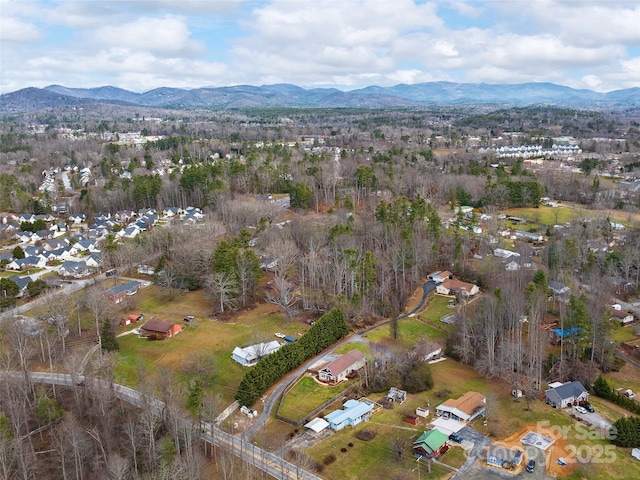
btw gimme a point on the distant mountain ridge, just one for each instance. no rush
(286, 95)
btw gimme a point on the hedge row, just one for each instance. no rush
(329, 328)
(602, 389)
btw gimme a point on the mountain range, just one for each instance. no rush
(284, 95)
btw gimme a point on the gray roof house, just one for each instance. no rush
(570, 393)
(74, 269)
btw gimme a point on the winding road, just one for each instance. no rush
(269, 404)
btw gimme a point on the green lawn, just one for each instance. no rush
(363, 347)
(623, 334)
(373, 459)
(308, 395)
(411, 330)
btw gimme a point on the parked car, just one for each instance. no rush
(454, 437)
(531, 465)
(588, 407)
(580, 409)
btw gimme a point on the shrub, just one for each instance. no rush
(343, 450)
(329, 459)
(365, 435)
(350, 444)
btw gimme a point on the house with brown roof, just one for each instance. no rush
(452, 286)
(337, 370)
(464, 409)
(159, 329)
(621, 316)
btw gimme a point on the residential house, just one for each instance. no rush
(33, 251)
(129, 232)
(353, 413)
(26, 263)
(74, 269)
(464, 409)
(567, 394)
(77, 218)
(529, 236)
(55, 243)
(41, 235)
(426, 351)
(505, 254)
(337, 370)
(503, 457)
(22, 236)
(249, 356)
(431, 444)
(26, 217)
(94, 260)
(557, 334)
(159, 329)
(440, 277)
(124, 216)
(621, 316)
(22, 283)
(172, 211)
(558, 289)
(120, 292)
(457, 287)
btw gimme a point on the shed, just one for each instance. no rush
(412, 419)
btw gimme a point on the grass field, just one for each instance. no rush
(206, 335)
(308, 395)
(549, 216)
(372, 459)
(426, 325)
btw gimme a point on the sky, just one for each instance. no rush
(140, 45)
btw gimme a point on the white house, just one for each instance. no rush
(621, 316)
(566, 394)
(250, 355)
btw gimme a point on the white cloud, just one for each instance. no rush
(163, 36)
(14, 30)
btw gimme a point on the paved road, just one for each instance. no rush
(266, 461)
(269, 402)
(627, 359)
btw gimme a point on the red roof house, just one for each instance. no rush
(337, 370)
(160, 329)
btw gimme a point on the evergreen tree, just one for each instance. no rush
(109, 340)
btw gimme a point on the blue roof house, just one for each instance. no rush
(353, 413)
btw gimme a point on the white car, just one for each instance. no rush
(280, 335)
(580, 409)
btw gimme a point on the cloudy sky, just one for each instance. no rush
(144, 44)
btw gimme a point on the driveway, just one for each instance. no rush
(594, 419)
(474, 443)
